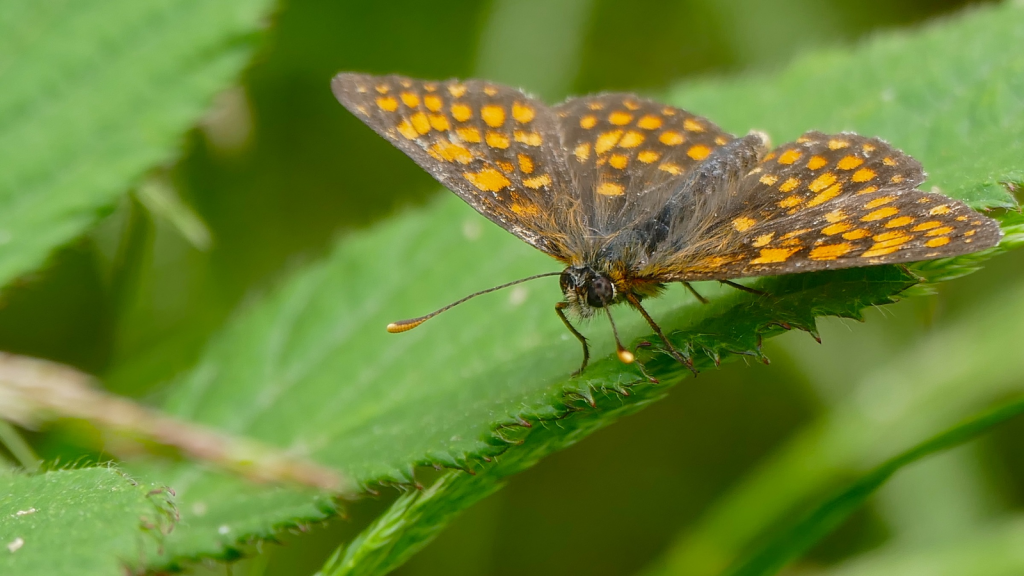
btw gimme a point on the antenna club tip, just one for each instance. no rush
(405, 325)
(626, 357)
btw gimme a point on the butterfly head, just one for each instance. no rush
(586, 289)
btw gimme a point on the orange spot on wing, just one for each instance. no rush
(618, 161)
(879, 202)
(582, 151)
(936, 242)
(698, 152)
(691, 125)
(868, 190)
(769, 179)
(837, 228)
(439, 122)
(816, 162)
(671, 138)
(763, 240)
(497, 140)
(522, 113)
(406, 129)
(789, 185)
(837, 144)
(525, 163)
(387, 103)
(630, 104)
(588, 122)
(529, 138)
(457, 90)
(452, 152)
(879, 214)
(525, 208)
(835, 216)
(468, 134)
(790, 201)
(927, 225)
(939, 231)
(488, 180)
(673, 169)
(899, 222)
(939, 210)
(821, 182)
(743, 223)
(433, 102)
(774, 255)
(620, 118)
(830, 251)
(461, 112)
(382, 88)
(490, 90)
(631, 139)
(857, 234)
(888, 161)
(537, 182)
(649, 122)
(826, 195)
(790, 156)
(849, 163)
(610, 189)
(493, 115)
(607, 141)
(420, 122)
(411, 100)
(648, 156)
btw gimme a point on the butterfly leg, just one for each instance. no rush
(696, 294)
(682, 358)
(744, 288)
(559, 307)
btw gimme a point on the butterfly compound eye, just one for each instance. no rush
(601, 292)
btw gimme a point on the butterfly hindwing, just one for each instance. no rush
(495, 147)
(832, 201)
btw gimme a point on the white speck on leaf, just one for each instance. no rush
(25, 512)
(471, 229)
(224, 529)
(518, 295)
(15, 545)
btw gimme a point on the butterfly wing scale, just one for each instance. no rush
(495, 147)
(826, 202)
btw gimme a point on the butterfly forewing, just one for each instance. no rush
(495, 147)
(831, 201)
(627, 154)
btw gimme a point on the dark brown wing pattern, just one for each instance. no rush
(830, 201)
(626, 155)
(495, 147)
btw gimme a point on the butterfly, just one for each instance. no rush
(630, 194)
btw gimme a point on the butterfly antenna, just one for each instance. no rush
(625, 356)
(406, 325)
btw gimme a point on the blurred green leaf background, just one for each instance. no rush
(275, 172)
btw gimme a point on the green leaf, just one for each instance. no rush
(94, 95)
(950, 95)
(83, 522)
(924, 392)
(787, 544)
(311, 369)
(992, 551)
